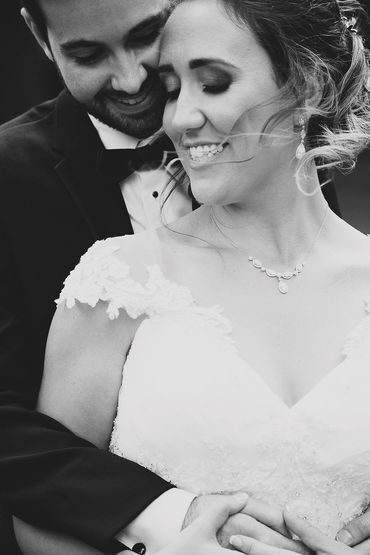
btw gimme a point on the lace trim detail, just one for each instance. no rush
(101, 276)
(359, 338)
(328, 498)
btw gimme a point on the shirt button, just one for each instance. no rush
(139, 548)
(155, 194)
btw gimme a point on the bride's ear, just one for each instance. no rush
(36, 33)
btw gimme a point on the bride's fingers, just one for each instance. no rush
(314, 538)
(245, 525)
(267, 514)
(243, 544)
(362, 548)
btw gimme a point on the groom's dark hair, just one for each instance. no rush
(35, 11)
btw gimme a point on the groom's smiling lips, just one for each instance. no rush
(138, 103)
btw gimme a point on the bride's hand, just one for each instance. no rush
(318, 542)
(257, 520)
(200, 537)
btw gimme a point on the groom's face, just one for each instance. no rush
(107, 54)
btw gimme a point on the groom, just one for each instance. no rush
(59, 194)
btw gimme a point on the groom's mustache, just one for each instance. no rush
(152, 83)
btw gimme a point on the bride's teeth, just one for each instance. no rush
(205, 151)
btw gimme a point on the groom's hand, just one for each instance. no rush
(257, 520)
(357, 533)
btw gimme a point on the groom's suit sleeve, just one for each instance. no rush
(48, 476)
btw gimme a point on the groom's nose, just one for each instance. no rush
(127, 73)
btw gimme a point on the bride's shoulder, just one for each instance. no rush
(113, 270)
(348, 255)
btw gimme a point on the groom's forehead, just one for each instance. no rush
(81, 16)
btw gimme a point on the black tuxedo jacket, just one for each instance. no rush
(53, 206)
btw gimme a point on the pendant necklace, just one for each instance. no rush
(284, 277)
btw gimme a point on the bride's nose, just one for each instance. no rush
(187, 114)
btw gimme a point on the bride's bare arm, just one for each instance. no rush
(85, 355)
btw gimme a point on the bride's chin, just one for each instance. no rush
(208, 195)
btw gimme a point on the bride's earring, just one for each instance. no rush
(301, 149)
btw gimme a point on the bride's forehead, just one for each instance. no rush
(202, 29)
(196, 24)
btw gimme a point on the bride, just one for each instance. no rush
(231, 350)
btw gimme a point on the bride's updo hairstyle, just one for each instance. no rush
(321, 65)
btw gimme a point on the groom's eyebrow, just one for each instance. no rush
(157, 20)
(154, 21)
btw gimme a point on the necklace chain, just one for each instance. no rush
(283, 277)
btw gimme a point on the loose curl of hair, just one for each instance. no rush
(322, 69)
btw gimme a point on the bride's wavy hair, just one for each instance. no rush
(321, 66)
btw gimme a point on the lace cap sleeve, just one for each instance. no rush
(102, 276)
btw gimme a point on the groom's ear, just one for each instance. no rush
(36, 33)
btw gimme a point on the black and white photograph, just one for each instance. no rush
(185, 277)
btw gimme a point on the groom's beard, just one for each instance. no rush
(108, 107)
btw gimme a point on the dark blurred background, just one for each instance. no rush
(27, 78)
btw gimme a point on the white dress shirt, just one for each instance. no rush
(144, 193)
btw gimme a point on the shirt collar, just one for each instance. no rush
(114, 139)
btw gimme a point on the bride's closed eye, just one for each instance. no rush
(213, 81)
(209, 85)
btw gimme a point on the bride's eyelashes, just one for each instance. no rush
(211, 86)
(213, 80)
(206, 88)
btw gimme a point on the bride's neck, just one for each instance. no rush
(278, 227)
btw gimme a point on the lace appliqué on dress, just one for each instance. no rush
(359, 339)
(102, 276)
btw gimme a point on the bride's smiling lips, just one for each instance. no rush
(201, 153)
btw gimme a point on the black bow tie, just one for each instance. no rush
(118, 164)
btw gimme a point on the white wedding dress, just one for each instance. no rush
(191, 410)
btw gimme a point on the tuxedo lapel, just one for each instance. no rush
(100, 202)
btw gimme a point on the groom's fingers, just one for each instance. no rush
(215, 518)
(267, 514)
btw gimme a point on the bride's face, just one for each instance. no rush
(221, 91)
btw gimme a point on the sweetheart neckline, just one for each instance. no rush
(157, 277)
(219, 312)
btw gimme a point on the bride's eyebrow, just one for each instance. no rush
(201, 62)
(195, 64)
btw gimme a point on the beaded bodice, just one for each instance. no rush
(193, 411)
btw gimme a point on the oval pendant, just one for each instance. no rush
(301, 151)
(283, 287)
